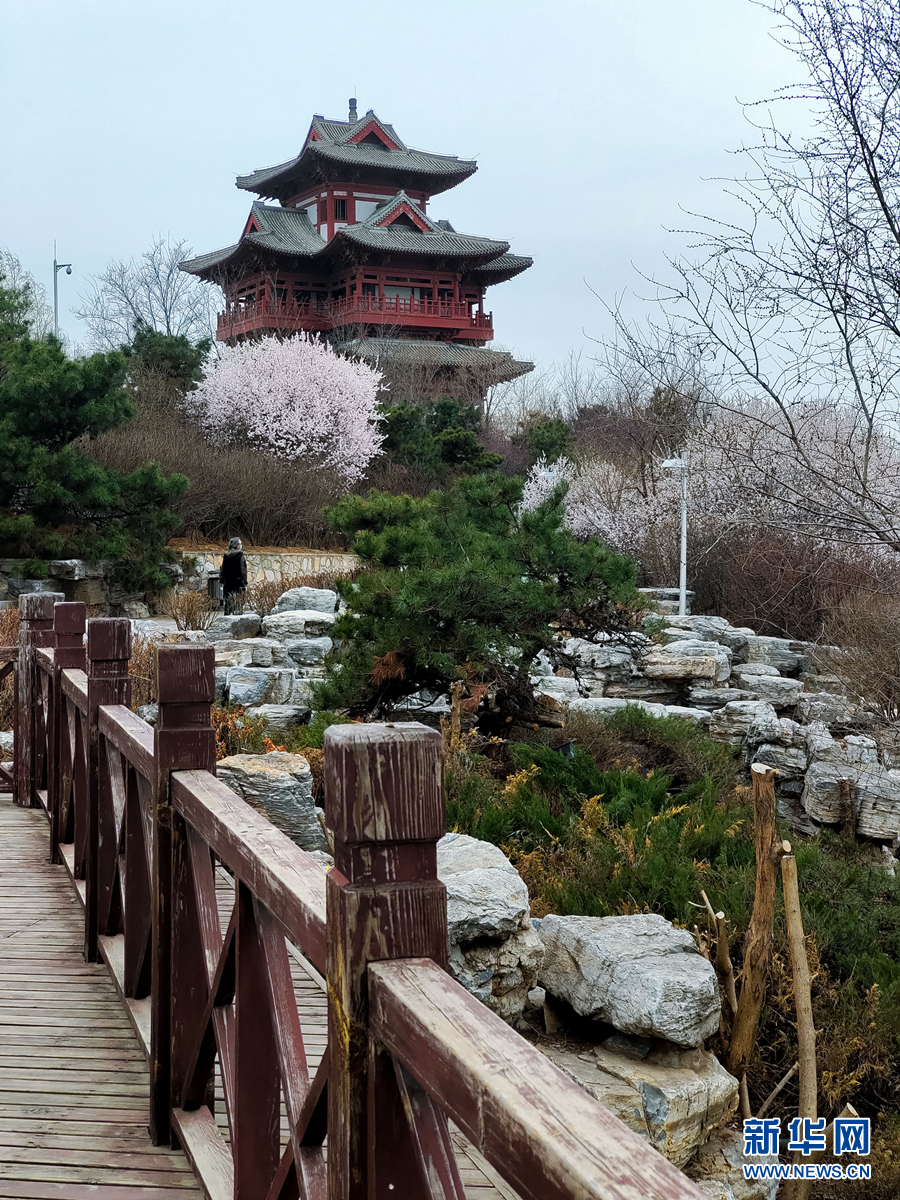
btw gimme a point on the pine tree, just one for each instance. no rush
(465, 585)
(54, 501)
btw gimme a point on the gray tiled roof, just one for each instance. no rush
(332, 147)
(499, 269)
(499, 365)
(289, 231)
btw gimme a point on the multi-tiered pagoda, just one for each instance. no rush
(350, 251)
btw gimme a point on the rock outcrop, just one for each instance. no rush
(494, 951)
(638, 973)
(279, 785)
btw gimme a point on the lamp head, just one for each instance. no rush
(68, 270)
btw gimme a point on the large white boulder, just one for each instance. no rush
(279, 785)
(674, 1099)
(639, 973)
(306, 599)
(250, 686)
(308, 651)
(774, 688)
(775, 651)
(494, 951)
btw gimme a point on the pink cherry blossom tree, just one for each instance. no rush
(295, 399)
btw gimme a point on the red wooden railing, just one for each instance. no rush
(142, 826)
(381, 310)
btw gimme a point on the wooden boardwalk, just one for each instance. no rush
(74, 1081)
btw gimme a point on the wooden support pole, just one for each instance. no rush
(758, 942)
(384, 801)
(806, 1030)
(108, 652)
(69, 653)
(183, 740)
(35, 629)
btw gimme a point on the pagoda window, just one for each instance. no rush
(323, 211)
(300, 296)
(402, 293)
(340, 210)
(365, 208)
(370, 289)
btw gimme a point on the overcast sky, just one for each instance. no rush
(592, 122)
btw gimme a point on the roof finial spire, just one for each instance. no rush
(353, 116)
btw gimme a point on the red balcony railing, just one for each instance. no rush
(389, 310)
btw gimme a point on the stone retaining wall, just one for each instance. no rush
(270, 567)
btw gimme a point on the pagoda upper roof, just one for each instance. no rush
(272, 231)
(355, 151)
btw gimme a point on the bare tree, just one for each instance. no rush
(152, 289)
(790, 317)
(35, 308)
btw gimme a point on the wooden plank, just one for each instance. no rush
(130, 735)
(74, 686)
(289, 882)
(138, 1012)
(547, 1137)
(21, 1189)
(206, 1151)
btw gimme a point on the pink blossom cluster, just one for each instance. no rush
(296, 399)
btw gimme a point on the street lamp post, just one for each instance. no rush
(57, 267)
(681, 464)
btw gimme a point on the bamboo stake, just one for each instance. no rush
(767, 1103)
(806, 1030)
(758, 943)
(744, 1096)
(799, 1189)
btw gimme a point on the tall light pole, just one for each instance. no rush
(57, 267)
(681, 464)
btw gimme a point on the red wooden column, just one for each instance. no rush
(35, 629)
(183, 740)
(384, 802)
(108, 652)
(70, 653)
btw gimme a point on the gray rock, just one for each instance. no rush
(308, 652)
(600, 656)
(486, 896)
(279, 718)
(790, 763)
(775, 651)
(716, 697)
(821, 797)
(252, 686)
(779, 692)
(751, 670)
(639, 973)
(601, 706)
(831, 709)
(246, 625)
(279, 785)
(6, 744)
(689, 659)
(306, 599)
(720, 1164)
(494, 951)
(733, 721)
(674, 1099)
(299, 623)
(149, 713)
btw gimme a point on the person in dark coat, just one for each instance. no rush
(233, 574)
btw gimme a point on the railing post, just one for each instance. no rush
(384, 802)
(35, 629)
(69, 653)
(108, 682)
(183, 740)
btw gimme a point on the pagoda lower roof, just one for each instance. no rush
(495, 366)
(287, 233)
(330, 152)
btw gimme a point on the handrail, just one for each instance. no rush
(351, 306)
(154, 844)
(287, 880)
(505, 1094)
(74, 687)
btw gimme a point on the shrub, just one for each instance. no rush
(237, 733)
(189, 610)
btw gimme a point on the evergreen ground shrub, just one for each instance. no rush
(642, 815)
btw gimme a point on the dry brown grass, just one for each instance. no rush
(142, 671)
(9, 636)
(865, 628)
(189, 610)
